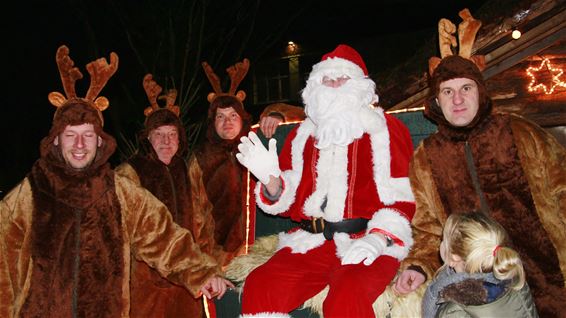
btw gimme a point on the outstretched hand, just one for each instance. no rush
(261, 162)
(216, 287)
(408, 281)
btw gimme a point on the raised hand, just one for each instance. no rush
(261, 162)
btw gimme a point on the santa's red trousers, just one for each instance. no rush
(287, 280)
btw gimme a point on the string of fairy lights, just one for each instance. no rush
(535, 83)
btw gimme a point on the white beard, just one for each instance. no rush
(336, 112)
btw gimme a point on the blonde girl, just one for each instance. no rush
(482, 275)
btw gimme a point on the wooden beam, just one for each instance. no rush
(536, 40)
(548, 119)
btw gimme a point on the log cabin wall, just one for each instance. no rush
(514, 90)
(541, 48)
(536, 89)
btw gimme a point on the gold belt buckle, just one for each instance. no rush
(314, 227)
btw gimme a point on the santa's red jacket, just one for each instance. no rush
(367, 179)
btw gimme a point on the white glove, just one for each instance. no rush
(261, 162)
(368, 247)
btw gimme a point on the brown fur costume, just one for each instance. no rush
(76, 217)
(83, 211)
(67, 235)
(214, 169)
(518, 177)
(150, 293)
(224, 178)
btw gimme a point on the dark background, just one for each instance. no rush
(170, 39)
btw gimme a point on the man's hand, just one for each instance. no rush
(366, 249)
(216, 287)
(408, 281)
(261, 162)
(268, 125)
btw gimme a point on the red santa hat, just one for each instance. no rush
(344, 56)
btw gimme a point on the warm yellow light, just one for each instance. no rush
(292, 48)
(554, 72)
(406, 110)
(516, 34)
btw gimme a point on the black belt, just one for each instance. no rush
(319, 225)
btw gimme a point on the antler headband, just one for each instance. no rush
(152, 89)
(467, 31)
(100, 72)
(237, 72)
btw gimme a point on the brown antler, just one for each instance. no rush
(69, 74)
(170, 98)
(237, 73)
(212, 78)
(446, 39)
(467, 31)
(100, 72)
(152, 90)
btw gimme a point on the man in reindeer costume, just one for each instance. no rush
(159, 166)
(498, 164)
(69, 230)
(342, 175)
(219, 184)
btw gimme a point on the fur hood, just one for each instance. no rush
(76, 112)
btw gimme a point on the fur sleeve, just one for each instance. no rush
(203, 229)
(429, 216)
(543, 160)
(126, 170)
(15, 254)
(161, 243)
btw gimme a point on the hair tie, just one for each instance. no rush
(497, 247)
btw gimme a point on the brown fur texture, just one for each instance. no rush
(152, 294)
(388, 304)
(169, 183)
(56, 229)
(522, 174)
(224, 179)
(148, 233)
(497, 163)
(74, 210)
(467, 292)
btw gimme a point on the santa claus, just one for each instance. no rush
(342, 175)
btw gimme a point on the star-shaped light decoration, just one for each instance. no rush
(542, 71)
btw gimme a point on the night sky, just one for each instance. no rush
(34, 30)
